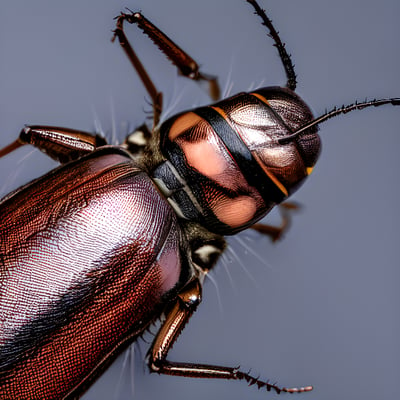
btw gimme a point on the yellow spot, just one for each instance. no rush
(309, 170)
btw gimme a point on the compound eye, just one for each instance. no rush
(309, 145)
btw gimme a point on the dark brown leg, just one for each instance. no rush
(61, 144)
(175, 321)
(183, 62)
(276, 232)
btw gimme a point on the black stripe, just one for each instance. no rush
(248, 165)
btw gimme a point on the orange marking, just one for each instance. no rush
(183, 123)
(271, 175)
(261, 98)
(221, 112)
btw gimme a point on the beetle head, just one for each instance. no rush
(229, 160)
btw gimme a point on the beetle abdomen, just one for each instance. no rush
(86, 268)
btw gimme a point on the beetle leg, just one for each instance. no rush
(61, 144)
(156, 96)
(178, 316)
(183, 62)
(276, 232)
(11, 147)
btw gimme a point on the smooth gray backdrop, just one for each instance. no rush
(320, 307)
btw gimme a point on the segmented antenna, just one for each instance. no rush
(283, 54)
(337, 111)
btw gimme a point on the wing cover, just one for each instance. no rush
(87, 253)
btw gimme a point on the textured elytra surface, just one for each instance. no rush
(85, 266)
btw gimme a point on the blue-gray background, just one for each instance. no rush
(320, 307)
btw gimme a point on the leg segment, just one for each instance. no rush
(156, 97)
(176, 319)
(276, 232)
(61, 144)
(183, 62)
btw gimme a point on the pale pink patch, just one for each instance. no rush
(202, 156)
(236, 212)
